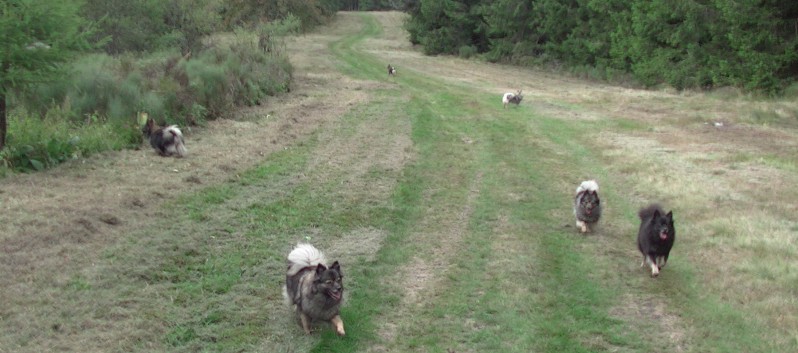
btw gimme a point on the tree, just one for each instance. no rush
(444, 27)
(37, 36)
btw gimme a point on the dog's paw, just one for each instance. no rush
(339, 325)
(582, 226)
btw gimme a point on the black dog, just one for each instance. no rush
(656, 236)
(391, 70)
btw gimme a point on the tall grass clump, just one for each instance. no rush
(239, 73)
(36, 143)
(183, 89)
(104, 93)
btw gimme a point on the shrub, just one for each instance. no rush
(37, 143)
(94, 107)
(467, 51)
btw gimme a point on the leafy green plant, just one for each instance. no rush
(39, 143)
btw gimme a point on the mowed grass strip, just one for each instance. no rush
(574, 286)
(518, 284)
(476, 311)
(206, 275)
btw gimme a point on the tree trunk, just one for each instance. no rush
(3, 124)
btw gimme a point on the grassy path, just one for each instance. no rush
(514, 282)
(450, 215)
(500, 270)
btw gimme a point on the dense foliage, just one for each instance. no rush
(37, 37)
(372, 5)
(162, 57)
(685, 43)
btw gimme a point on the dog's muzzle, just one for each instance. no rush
(335, 294)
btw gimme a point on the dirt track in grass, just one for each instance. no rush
(722, 163)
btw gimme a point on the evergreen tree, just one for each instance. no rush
(37, 36)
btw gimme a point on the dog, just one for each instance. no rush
(587, 205)
(656, 236)
(314, 288)
(391, 70)
(167, 141)
(512, 98)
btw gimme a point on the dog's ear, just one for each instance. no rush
(669, 216)
(320, 269)
(656, 215)
(337, 267)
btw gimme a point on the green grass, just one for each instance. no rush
(565, 303)
(35, 143)
(516, 277)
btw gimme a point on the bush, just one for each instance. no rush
(467, 51)
(240, 74)
(94, 107)
(37, 143)
(172, 88)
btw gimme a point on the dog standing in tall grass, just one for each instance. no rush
(314, 288)
(655, 237)
(167, 141)
(587, 205)
(512, 98)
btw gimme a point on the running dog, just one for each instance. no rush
(587, 205)
(656, 236)
(167, 141)
(512, 98)
(314, 288)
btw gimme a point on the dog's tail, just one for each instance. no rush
(648, 211)
(304, 255)
(173, 133)
(587, 185)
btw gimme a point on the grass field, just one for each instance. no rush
(452, 219)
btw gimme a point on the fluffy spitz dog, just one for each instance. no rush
(512, 98)
(314, 288)
(656, 236)
(587, 205)
(167, 141)
(391, 70)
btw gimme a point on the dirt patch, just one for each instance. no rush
(665, 327)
